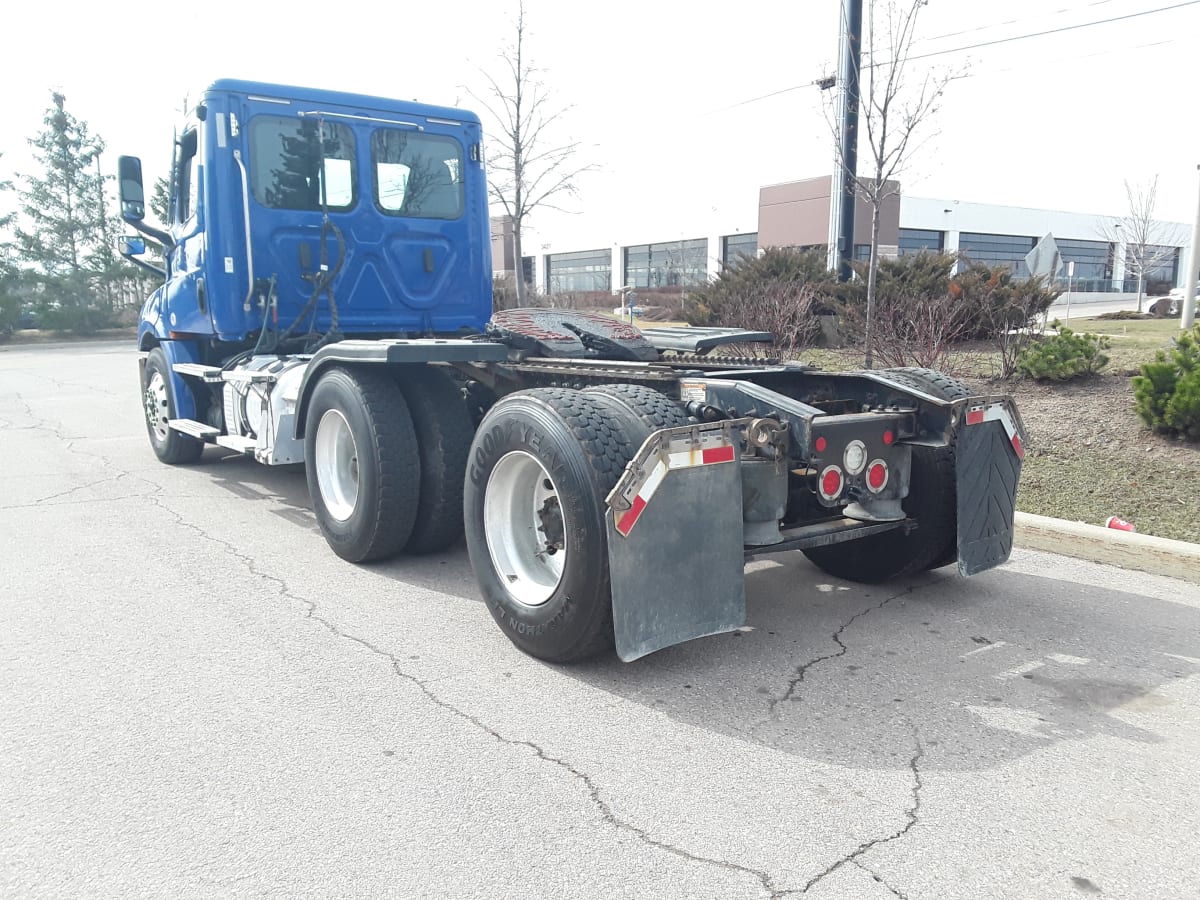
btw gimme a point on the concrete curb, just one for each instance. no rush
(1129, 550)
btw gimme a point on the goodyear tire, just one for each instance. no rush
(641, 410)
(362, 463)
(540, 467)
(443, 428)
(158, 403)
(931, 501)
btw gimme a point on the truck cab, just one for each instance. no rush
(377, 208)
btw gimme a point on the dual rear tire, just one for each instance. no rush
(386, 457)
(541, 466)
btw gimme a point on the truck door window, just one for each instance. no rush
(417, 174)
(285, 163)
(187, 187)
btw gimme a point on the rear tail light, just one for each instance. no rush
(877, 476)
(830, 482)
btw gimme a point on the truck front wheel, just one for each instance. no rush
(541, 464)
(362, 464)
(158, 402)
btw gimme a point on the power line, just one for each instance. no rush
(1007, 40)
(1017, 21)
(1073, 57)
(1022, 37)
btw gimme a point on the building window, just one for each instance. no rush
(286, 163)
(920, 240)
(585, 270)
(1093, 264)
(1159, 277)
(527, 269)
(676, 263)
(736, 246)
(997, 250)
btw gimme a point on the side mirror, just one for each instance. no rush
(131, 245)
(133, 198)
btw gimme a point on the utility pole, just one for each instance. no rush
(850, 66)
(1188, 316)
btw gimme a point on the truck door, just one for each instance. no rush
(187, 296)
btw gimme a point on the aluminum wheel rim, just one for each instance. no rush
(336, 461)
(523, 527)
(157, 411)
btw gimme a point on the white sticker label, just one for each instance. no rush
(692, 390)
(229, 265)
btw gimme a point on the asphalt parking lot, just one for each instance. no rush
(199, 699)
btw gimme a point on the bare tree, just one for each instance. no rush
(1148, 243)
(894, 106)
(528, 168)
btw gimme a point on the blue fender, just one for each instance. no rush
(181, 352)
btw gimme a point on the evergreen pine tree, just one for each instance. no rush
(9, 301)
(62, 236)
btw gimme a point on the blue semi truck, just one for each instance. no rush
(326, 299)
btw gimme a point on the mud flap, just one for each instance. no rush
(675, 540)
(988, 462)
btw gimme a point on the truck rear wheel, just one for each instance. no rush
(931, 500)
(443, 427)
(541, 465)
(642, 409)
(363, 467)
(158, 403)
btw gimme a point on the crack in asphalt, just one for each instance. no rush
(879, 879)
(68, 443)
(607, 813)
(911, 813)
(802, 670)
(603, 806)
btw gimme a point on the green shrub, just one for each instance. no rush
(1064, 355)
(783, 290)
(1167, 393)
(717, 302)
(1122, 315)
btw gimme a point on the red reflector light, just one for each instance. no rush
(877, 475)
(831, 482)
(888, 437)
(820, 445)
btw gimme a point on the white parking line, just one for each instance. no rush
(1020, 670)
(1068, 660)
(984, 649)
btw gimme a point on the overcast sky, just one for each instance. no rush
(662, 94)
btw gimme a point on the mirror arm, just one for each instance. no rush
(151, 232)
(149, 267)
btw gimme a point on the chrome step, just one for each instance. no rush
(199, 430)
(252, 376)
(238, 442)
(211, 374)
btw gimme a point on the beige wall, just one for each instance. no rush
(796, 214)
(502, 248)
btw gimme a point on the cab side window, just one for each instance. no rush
(187, 188)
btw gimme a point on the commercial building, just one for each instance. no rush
(796, 214)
